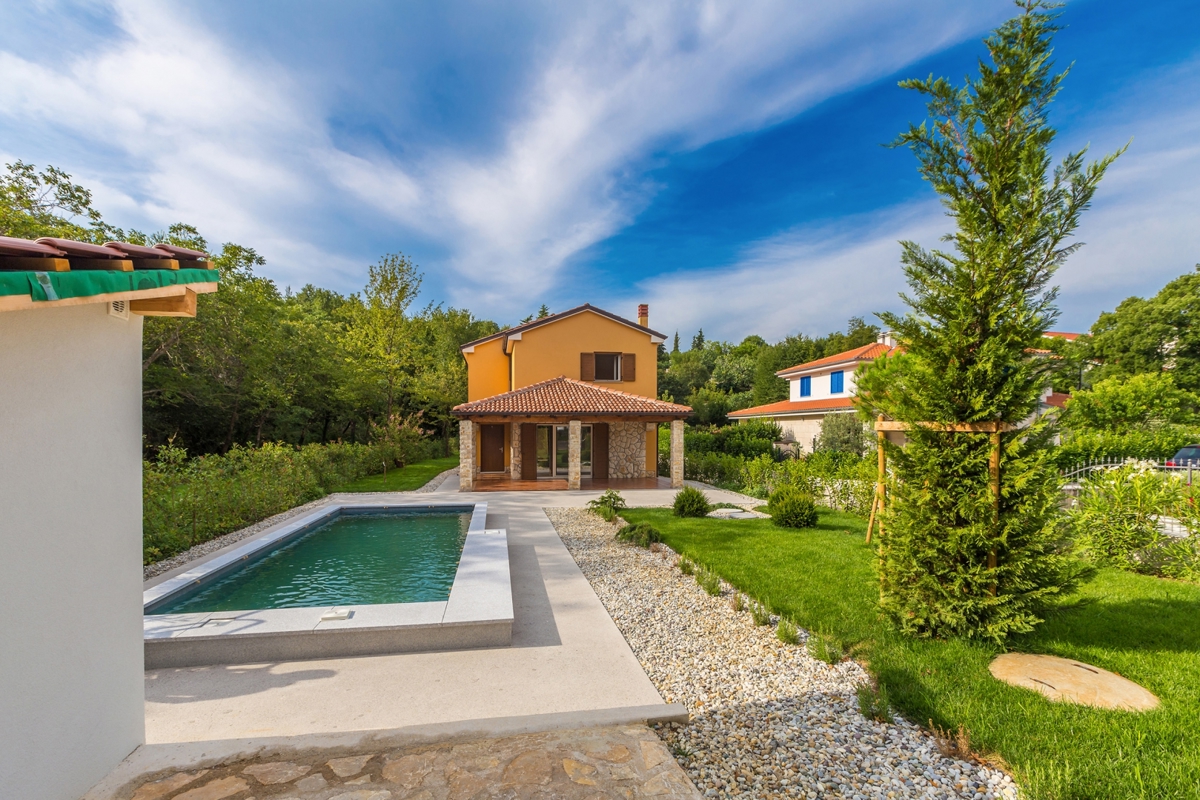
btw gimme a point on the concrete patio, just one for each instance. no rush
(568, 663)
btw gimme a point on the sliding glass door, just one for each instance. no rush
(554, 448)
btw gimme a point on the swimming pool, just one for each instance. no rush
(360, 556)
(345, 579)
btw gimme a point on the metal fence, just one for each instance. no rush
(1169, 526)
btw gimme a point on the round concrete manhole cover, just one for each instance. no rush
(1068, 681)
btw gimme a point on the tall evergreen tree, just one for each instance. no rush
(952, 562)
(675, 345)
(698, 340)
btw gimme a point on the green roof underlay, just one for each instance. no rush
(87, 283)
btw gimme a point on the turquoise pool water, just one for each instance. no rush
(403, 556)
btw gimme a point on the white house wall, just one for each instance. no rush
(820, 385)
(71, 528)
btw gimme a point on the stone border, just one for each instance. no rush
(478, 613)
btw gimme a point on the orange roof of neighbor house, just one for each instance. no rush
(562, 315)
(1070, 337)
(868, 352)
(563, 396)
(1057, 399)
(785, 407)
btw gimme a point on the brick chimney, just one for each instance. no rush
(644, 315)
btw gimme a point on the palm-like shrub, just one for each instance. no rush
(607, 505)
(691, 502)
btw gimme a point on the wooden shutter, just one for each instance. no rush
(528, 451)
(628, 367)
(599, 449)
(587, 366)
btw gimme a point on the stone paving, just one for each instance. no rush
(590, 764)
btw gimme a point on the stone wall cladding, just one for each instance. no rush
(626, 449)
(514, 456)
(677, 454)
(466, 455)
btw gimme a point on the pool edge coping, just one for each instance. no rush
(478, 612)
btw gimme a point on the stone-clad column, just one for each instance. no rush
(677, 454)
(574, 453)
(514, 451)
(651, 437)
(466, 456)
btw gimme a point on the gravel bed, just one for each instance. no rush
(768, 720)
(213, 545)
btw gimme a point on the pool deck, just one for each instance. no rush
(567, 666)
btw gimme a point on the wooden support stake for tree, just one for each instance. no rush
(880, 489)
(994, 476)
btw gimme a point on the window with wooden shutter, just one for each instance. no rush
(587, 366)
(628, 367)
(607, 367)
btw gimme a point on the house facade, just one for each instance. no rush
(71, 317)
(566, 400)
(817, 389)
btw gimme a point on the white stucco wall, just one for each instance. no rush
(820, 384)
(71, 702)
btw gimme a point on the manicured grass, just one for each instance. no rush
(1144, 628)
(405, 479)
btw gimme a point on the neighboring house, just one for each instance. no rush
(815, 390)
(570, 400)
(826, 386)
(71, 666)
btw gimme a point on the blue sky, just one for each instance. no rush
(721, 161)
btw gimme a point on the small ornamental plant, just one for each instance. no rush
(709, 581)
(791, 508)
(608, 505)
(787, 632)
(691, 502)
(640, 534)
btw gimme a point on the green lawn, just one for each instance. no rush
(1144, 628)
(405, 479)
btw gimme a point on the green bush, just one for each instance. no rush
(686, 566)
(791, 508)
(717, 469)
(691, 502)
(1115, 521)
(187, 501)
(641, 534)
(837, 480)
(760, 613)
(607, 505)
(1081, 447)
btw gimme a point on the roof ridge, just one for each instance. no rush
(533, 323)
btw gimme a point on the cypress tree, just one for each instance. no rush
(977, 311)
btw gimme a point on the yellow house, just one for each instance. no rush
(566, 401)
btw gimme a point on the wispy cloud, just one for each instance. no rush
(810, 280)
(169, 123)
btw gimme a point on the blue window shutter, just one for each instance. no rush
(836, 383)
(806, 386)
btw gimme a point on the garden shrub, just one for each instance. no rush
(187, 501)
(709, 581)
(642, 534)
(1115, 521)
(686, 566)
(691, 502)
(787, 632)
(1089, 446)
(791, 508)
(607, 505)
(826, 647)
(760, 613)
(873, 703)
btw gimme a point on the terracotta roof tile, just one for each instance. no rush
(560, 396)
(796, 407)
(868, 352)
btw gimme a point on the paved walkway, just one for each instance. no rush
(626, 762)
(567, 656)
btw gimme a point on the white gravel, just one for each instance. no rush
(768, 720)
(213, 545)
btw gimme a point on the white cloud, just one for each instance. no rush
(169, 123)
(810, 280)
